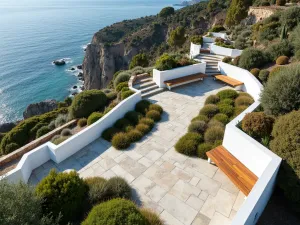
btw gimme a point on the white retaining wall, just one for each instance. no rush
(43, 153)
(208, 39)
(215, 49)
(194, 50)
(159, 77)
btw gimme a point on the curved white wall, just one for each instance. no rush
(215, 49)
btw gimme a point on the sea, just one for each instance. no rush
(34, 33)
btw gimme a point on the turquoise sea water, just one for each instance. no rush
(33, 33)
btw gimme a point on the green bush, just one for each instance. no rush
(166, 12)
(255, 72)
(282, 60)
(177, 37)
(297, 55)
(236, 60)
(33, 131)
(59, 140)
(122, 124)
(201, 118)
(264, 75)
(133, 116)
(279, 49)
(244, 94)
(227, 59)
(125, 89)
(115, 212)
(62, 193)
(112, 96)
(188, 144)
(226, 101)
(213, 134)
(258, 124)
(66, 132)
(209, 110)
(202, 149)
(109, 133)
(212, 99)
(275, 71)
(87, 102)
(217, 28)
(61, 120)
(237, 11)
(197, 127)
(10, 148)
(243, 100)
(215, 123)
(134, 135)
(228, 110)
(82, 122)
(197, 40)
(42, 131)
(228, 93)
(154, 115)
(143, 128)
(120, 141)
(94, 117)
(147, 121)
(122, 77)
(223, 118)
(252, 58)
(165, 62)
(121, 86)
(152, 218)
(97, 189)
(281, 93)
(51, 126)
(239, 109)
(156, 107)
(118, 188)
(139, 60)
(126, 94)
(142, 106)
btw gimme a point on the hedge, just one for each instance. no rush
(188, 144)
(94, 117)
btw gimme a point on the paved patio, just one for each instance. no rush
(183, 190)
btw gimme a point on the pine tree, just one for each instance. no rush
(237, 11)
(177, 37)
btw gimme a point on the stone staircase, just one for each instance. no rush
(147, 86)
(211, 63)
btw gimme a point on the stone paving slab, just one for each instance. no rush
(183, 190)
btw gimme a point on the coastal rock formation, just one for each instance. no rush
(59, 62)
(40, 108)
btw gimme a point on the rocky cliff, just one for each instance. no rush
(40, 108)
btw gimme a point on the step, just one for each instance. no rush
(143, 80)
(211, 66)
(153, 92)
(144, 84)
(150, 88)
(219, 57)
(209, 58)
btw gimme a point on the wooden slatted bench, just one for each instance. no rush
(237, 172)
(184, 80)
(229, 80)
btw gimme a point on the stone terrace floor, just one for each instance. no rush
(183, 190)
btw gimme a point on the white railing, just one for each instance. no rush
(215, 49)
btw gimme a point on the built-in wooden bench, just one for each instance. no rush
(228, 80)
(184, 80)
(237, 172)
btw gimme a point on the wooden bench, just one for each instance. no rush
(229, 80)
(184, 80)
(237, 172)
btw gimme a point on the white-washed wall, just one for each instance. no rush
(215, 49)
(160, 76)
(194, 50)
(208, 39)
(221, 35)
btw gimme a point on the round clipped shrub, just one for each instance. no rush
(112, 96)
(62, 193)
(226, 101)
(221, 118)
(258, 124)
(126, 94)
(215, 123)
(239, 109)
(133, 116)
(152, 217)
(188, 144)
(201, 118)
(97, 189)
(121, 86)
(245, 94)
(255, 72)
(115, 212)
(282, 60)
(60, 120)
(142, 106)
(154, 115)
(202, 149)
(109, 133)
(231, 94)
(149, 122)
(66, 132)
(118, 188)
(42, 131)
(87, 102)
(122, 123)
(94, 117)
(139, 60)
(165, 62)
(197, 40)
(275, 71)
(134, 135)
(82, 122)
(212, 99)
(129, 128)
(252, 58)
(243, 100)
(59, 140)
(227, 59)
(122, 77)
(226, 109)
(213, 134)
(120, 141)
(143, 128)
(209, 110)
(197, 127)
(10, 148)
(264, 75)
(156, 107)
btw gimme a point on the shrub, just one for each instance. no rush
(202, 149)
(227, 59)
(177, 37)
(121, 86)
(201, 118)
(62, 193)
(147, 121)
(115, 212)
(133, 116)
(152, 217)
(126, 94)
(97, 189)
(165, 62)
(213, 134)
(82, 122)
(252, 58)
(243, 100)
(222, 118)
(217, 28)
(236, 12)
(188, 144)
(66, 132)
(282, 60)
(255, 72)
(154, 115)
(122, 123)
(297, 55)
(280, 2)
(59, 140)
(122, 77)
(157, 108)
(281, 95)
(109, 133)
(125, 89)
(55, 137)
(118, 188)
(212, 99)
(61, 120)
(264, 75)
(226, 101)
(197, 40)
(139, 60)
(52, 125)
(226, 109)
(209, 110)
(257, 124)
(231, 94)
(236, 60)
(38, 126)
(244, 94)
(166, 12)
(10, 148)
(142, 106)
(87, 102)
(42, 131)
(134, 135)
(215, 123)
(112, 96)
(276, 70)
(279, 49)
(94, 117)
(197, 127)
(239, 109)
(143, 128)
(120, 141)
